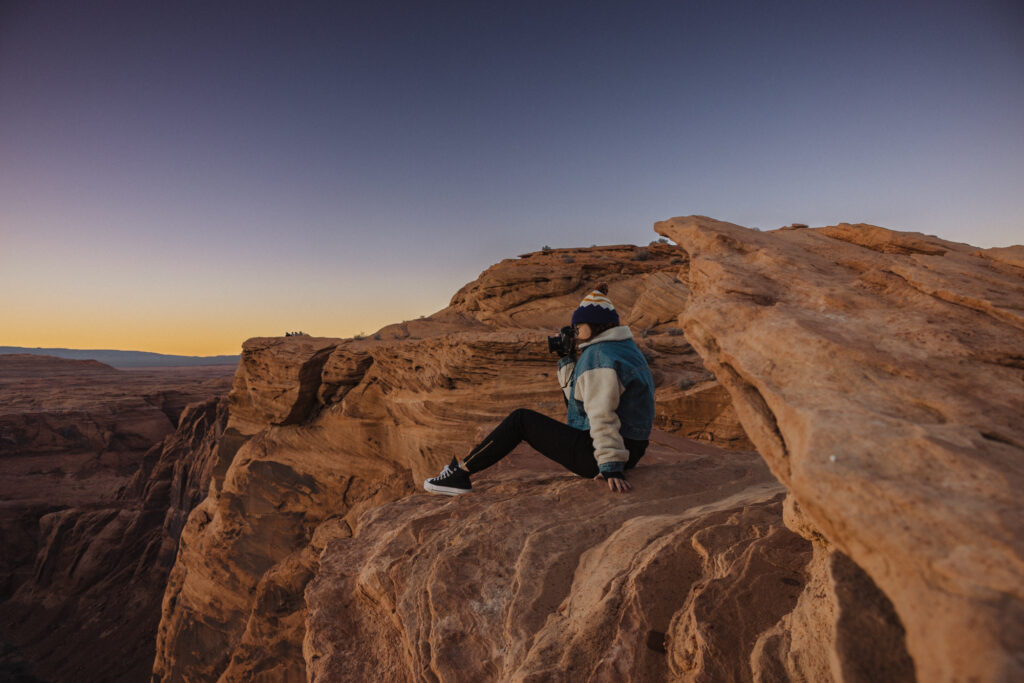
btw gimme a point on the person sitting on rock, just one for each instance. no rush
(609, 392)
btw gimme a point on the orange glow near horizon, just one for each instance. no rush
(74, 292)
(192, 324)
(171, 337)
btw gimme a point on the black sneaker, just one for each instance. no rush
(452, 481)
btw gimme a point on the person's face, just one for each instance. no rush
(583, 331)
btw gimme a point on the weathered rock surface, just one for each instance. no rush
(326, 429)
(843, 627)
(881, 375)
(90, 519)
(549, 577)
(315, 556)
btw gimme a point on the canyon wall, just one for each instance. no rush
(874, 533)
(330, 429)
(881, 376)
(95, 484)
(877, 373)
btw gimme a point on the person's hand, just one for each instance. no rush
(616, 484)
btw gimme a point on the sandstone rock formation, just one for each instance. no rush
(881, 376)
(874, 536)
(542, 576)
(315, 555)
(327, 429)
(95, 484)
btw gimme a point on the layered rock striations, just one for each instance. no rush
(873, 537)
(326, 429)
(540, 576)
(95, 485)
(881, 376)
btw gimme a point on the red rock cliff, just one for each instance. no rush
(95, 484)
(881, 376)
(316, 557)
(333, 428)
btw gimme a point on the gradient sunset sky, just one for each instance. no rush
(180, 176)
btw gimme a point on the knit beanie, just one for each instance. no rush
(596, 309)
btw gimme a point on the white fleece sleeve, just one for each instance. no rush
(565, 376)
(599, 389)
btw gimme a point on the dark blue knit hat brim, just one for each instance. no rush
(595, 315)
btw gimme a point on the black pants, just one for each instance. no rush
(570, 447)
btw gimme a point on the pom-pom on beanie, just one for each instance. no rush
(596, 309)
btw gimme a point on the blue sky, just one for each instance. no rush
(180, 176)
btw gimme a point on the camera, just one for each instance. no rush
(564, 343)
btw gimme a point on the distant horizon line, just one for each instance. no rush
(119, 358)
(71, 348)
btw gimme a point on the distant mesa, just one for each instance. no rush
(125, 359)
(38, 365)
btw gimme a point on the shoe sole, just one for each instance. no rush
(445, 490)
